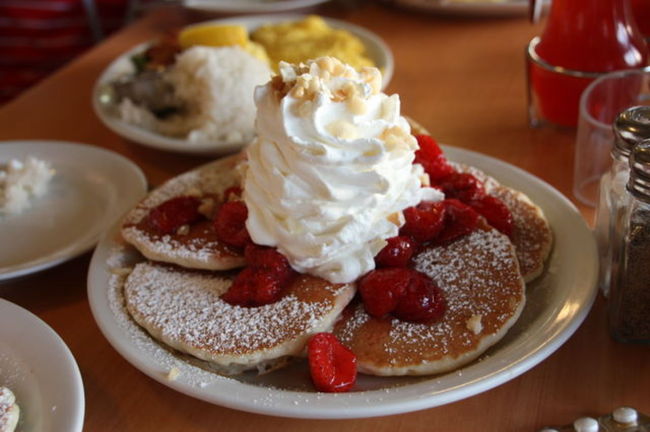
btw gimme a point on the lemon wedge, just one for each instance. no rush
(213, 35)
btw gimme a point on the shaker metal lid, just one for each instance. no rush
(639, 183)
(631, 127)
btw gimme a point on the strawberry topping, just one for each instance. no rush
(381, 290)
(333, 367)
(460, 220)
(397, 253)
(424, 221)
(253, 287)
(495, 212)
(263, 281)
(462, 186)
(168, 217)
(230, 224)
(406, 293)
(422, 300)
(432, 159)
(268, 260)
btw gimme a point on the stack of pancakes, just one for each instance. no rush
(174, 293)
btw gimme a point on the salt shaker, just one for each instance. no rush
(629, 302)
(630, 127)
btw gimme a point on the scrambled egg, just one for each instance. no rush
(298, 41)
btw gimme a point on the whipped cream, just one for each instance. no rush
(20, 181)
(331, 170)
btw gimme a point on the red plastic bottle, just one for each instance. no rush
(582, 40)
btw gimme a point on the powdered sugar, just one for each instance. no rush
(124, 257)
(185, 306)
(478, 275)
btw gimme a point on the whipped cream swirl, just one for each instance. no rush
(331, 170)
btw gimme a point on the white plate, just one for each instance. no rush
(40, 370)
(468, 7)
(249, 6)
(556, 305)
(376, 48)
(90, 189)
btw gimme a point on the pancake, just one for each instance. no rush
(198, 248)
(484, 292)
(9, 410)
(182, 309)
(531, 235)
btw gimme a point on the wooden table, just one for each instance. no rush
(463, 79)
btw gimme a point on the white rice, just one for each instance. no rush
(216, 85)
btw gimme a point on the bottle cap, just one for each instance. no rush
(625, 415)
(639, 183)
(630, 127)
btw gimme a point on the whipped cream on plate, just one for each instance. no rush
(20, 181)
(331, 170)
(9, 410)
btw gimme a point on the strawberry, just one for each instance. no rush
(430, 156)
(424, 221)
(422, 301)
(462, 186)
(397, 252)
(407, 294)
(169, 216)
(381, 289)
(252, 288)
(460, 220)
(269, 260)
(333, 367)
(495, 212)
(230, 224)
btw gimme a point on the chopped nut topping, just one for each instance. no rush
(207, 206)
(343, 129)
(397, 218)
(193, 192)
(474, 324)
(183, 230)
(173, 373)
(395, 137)
(357, 105)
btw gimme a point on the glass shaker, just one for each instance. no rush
(630, 127)
(629, 302)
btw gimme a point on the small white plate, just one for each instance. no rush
(468, 7)
(40, 370)
(249, 6)
(376, 49)
(92, 187)
(556, 305)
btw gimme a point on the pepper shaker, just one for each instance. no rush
(630, 127)
(629, 302)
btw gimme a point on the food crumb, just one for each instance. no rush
(474, 324)
(173, 373)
